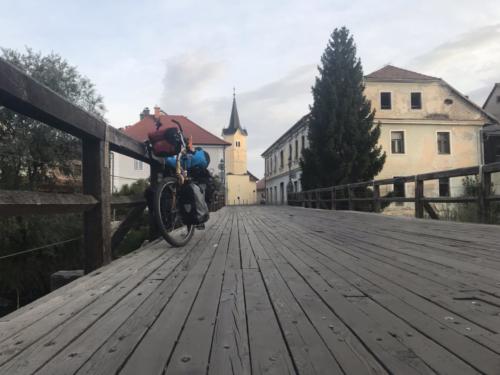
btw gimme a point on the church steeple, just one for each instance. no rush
(234, 121)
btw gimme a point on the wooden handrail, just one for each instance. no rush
(422, 203)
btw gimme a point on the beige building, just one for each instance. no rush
(282, 168)
(241, 185)
(426, 125)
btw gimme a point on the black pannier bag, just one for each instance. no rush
(193, 208)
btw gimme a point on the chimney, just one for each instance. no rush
(144, 113)
(157, 112)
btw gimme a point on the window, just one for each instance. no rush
(303, 142)
(275, 162)
(385, 100)
(237, 143)
(444, 187)
(497, 153)
(416, 100)
(138, 165)
(281, 159)
(398, 142)
(443, 142)
(296, 149)
(290, 152)
(498, 98)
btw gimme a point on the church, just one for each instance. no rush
(241, 185)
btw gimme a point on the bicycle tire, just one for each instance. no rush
(161, 196)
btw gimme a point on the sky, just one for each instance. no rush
(186, 56)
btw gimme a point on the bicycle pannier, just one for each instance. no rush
(194, 209)
(165, 142)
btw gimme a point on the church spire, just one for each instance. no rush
(234, 121)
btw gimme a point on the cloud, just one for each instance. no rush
(187, 78)
(469, 62)
(265, 111)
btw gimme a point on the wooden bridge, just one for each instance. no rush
(278, 290)
(262, 289)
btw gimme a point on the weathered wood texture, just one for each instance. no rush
(277, 290)
(15, 203)
(26, 96)
(484, 196)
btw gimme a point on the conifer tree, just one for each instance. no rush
(342, 135)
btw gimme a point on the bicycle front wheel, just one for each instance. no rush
(167, 214)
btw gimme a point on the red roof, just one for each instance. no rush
(393, 73)
(140, 130)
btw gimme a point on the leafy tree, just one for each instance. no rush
(34, 156)
(343, 138)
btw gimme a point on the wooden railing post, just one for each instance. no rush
(376, 197)
(419, 194)
(483, 193)
(318, 199)
(350, 196)
(97, 221)
(332, 198)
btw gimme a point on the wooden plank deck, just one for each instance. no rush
(277, 290)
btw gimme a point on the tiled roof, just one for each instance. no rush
(252, 177)
(140, 130)
(392, 73)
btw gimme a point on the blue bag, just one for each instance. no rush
(197, 159)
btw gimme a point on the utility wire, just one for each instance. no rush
(39, 248)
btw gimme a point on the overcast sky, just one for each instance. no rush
(186, 55)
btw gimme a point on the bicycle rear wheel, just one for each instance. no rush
(167, 215)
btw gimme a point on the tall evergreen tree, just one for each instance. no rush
(342, 136)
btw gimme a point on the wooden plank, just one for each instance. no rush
(167, 328)
(230, 347)
(113, 353)
(430, 210)
(69, 321)
(436, 356)
(395, 357)
(268, 349)
(457, 172)
(119, 234)
(26, 96)
(16, 203)
(230, 352)
(247, 256)
(350, 353)
(455, 343)
(127, 200)
(309, 352)
(68, 297)
(192, 350)
(81, 349)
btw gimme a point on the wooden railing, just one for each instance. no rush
(368, 192)
(24, 95)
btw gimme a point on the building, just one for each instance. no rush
(126, 170)
(426, 125)
(282, 168)
(492, 103)
(241, 185)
